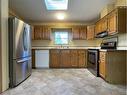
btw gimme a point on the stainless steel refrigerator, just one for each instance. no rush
(19, 51)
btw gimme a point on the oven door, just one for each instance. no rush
(93, 56)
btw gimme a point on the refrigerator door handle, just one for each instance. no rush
(24, 60)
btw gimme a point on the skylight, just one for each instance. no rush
(56, 4)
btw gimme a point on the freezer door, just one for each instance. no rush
(21, 38)
(22, 70)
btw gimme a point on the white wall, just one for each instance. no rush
(4, 36)
(122, 40)
(121, 3)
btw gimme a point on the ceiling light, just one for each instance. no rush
(60, 16)
(56, 4)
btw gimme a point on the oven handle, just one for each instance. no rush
(92, 51)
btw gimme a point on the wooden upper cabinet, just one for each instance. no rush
(54, 59)
(117, 21)
(112, 23)
(90, 32)
(75, 32)
(41, 33)
(98, 27)
(101, 25)
(83, 32)
(104, 24)
(82, 58)
(79, 32)
(74, 58)
(37, 33)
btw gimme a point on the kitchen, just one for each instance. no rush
(69, 51)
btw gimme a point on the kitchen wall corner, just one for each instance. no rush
(4, 43)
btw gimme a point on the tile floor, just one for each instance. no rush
(65, 82)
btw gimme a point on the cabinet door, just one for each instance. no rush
(65, 59)
(46, 33)
(33, 58)
(37, 33)
(112, 23)
(41, 33)
(98, 27)
(74, 58)
(90, 32)
(102, 64)
(82, 58)
(54, 58)
(104, 24)
(76, 33)
(83, 30)
(101, 25)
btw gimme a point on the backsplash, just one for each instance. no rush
(85, 43)
(122, 40)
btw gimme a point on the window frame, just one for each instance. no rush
(62, 30)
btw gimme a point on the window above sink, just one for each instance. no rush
(61, 37)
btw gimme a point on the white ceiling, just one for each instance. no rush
(78, 10)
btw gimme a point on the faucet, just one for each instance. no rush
(61, 46)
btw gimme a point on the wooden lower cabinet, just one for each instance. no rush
(67, 58)
(112, 66)
(82, 58)
(33, 59)
(102, 64)
(54, 59)
(74, 58)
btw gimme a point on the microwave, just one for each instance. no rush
(109, 45)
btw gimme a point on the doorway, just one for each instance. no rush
(0, 66)
(0, 55)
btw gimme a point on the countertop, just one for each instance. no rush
(36, 47)
(75, 47)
